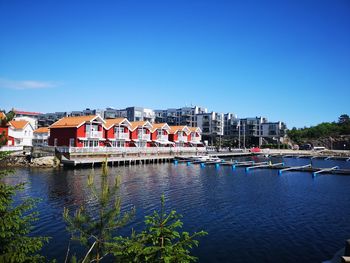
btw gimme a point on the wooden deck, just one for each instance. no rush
(115, 161)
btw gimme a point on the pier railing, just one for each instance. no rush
(182, 138)
(133, 150)
(144, 137)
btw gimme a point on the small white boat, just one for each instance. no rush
(214, 159)
(203, 158)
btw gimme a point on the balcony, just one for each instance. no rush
(182, 138)
(144, 137)
(121, 136)
(94, 134)
(196, 139)
(162, 137)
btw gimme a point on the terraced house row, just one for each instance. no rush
(93, 131)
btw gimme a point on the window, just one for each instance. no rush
(119, 130)
(119, 144)
(71, 142)
(55, 142)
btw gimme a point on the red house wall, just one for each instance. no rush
(154, 135)
(109, 134)
(63, 135)
(173, 137)
(133, 134)
(189, 137)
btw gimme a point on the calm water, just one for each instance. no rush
(250, 217)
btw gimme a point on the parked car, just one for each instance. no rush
(306, 146)
(255, 150)
(296, 147)
(319, 148)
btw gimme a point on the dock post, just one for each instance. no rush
(347, 248)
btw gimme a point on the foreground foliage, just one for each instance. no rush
(161, 241)
(15, 225)
(95, 231)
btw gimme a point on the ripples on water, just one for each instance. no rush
(250, 217)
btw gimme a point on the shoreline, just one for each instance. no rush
(26, 161)
(22, 161)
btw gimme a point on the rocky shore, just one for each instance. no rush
(28, 161)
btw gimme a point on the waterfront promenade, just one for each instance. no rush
(73, 156)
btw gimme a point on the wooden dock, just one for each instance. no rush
(116, 161)
(250, 165)
(310, 156)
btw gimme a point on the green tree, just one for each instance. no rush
(159, 242)
(15, 225)
(344, 118)
(95, 231)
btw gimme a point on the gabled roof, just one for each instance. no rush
(117, 121)
(75, 122)
(195, 129)
(175, 129)
(42, 130)
(163, 126)
(27, 113)
(19, 124)
(140, 124)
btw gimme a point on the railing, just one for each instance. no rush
(122, 136)
(133, 150)
(162, 137)
(94, 134)
(40, 137)
(195, 139)
(182, 138)
(11, 148)
(144, 137)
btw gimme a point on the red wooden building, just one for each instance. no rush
(160, 135)
(179, 135)
(81, 131)
(4, 131)
(117, 132)
(140, 134)
(195, 137)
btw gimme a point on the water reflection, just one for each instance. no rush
(249, 216)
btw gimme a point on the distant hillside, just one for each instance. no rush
(333, 135)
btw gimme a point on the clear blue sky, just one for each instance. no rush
(287, 60)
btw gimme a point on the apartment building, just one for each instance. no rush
(211, 124)
(181, 116)
(47, 119)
